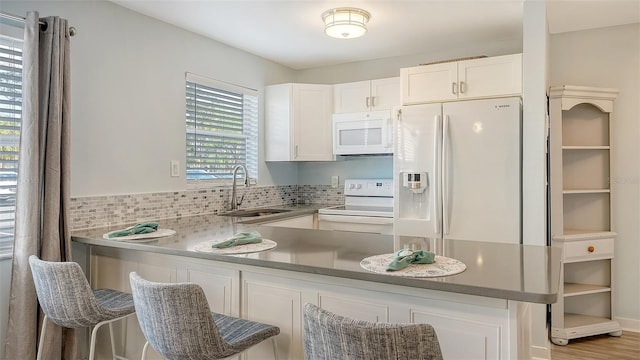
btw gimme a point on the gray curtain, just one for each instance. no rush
(41, 226)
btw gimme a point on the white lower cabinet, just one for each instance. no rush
(299, 222)
(468, 327)
(484, 331)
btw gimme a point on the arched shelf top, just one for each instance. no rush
(604, 105)
(571, 95)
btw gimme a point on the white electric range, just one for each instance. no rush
(368, 207)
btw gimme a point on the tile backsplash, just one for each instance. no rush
(98, 211)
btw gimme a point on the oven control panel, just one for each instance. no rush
(368, 187)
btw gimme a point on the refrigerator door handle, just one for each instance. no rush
(445, 176)
(436, 207)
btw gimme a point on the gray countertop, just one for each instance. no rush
(505, 271)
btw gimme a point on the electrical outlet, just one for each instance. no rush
(335, 180)
(175, 168)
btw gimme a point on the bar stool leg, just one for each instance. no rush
(113, 343)
(92, 344)
(144, 350)
(113, 346)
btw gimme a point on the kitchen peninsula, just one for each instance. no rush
(486, 307)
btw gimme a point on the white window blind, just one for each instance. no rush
(221, 128)
(10, 118)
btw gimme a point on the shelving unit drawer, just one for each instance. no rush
(588, 249)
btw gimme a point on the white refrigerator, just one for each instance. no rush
(457, 170)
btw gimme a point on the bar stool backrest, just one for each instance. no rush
(330, 336)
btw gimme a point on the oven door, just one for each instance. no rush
(368, 224)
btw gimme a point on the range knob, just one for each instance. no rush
(358, 186)
(352, 186)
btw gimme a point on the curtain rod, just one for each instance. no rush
(72, 30)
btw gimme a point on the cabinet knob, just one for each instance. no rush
(591, 249)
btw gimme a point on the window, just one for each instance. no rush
(222, 129)
(10, 117)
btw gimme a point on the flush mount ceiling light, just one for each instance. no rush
(345, 22)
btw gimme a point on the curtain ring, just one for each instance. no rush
(43, 25)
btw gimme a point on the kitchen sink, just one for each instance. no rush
(253, 212)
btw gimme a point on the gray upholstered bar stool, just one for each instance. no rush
(67, 300)
(176, 321)
(328, 336)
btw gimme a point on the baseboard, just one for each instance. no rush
(626, 324)
(541, 353)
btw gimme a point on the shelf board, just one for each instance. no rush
(582, 234)
(572, 289)
(576, 326)
(586, 191)
(577, 320)
(586, 147)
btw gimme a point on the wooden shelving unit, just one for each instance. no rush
(580, 208)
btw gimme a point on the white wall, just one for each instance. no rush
(128, 95)
(389, 67)
(535, 69)
(610, 57)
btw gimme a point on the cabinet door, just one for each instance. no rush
(278, 305)
(385, 93)
(351, 97)
(481, 339)
(312, 123)
(366, 309)
(429, 83)
(117, 276)
(220, 286)
(277, 125)
(492, 76)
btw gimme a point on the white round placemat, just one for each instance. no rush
(442, 266)
(142, 237)
(205, 246)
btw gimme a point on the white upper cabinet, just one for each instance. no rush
(468, 79)
(429, 83)
(298, 122)
(369, 95)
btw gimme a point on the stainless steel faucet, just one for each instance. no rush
(234, 203)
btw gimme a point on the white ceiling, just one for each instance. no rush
(291, 32)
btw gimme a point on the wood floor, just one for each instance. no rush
(625, 347)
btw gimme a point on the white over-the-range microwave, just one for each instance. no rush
(363, 133)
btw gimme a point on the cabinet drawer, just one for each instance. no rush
(586, 249)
